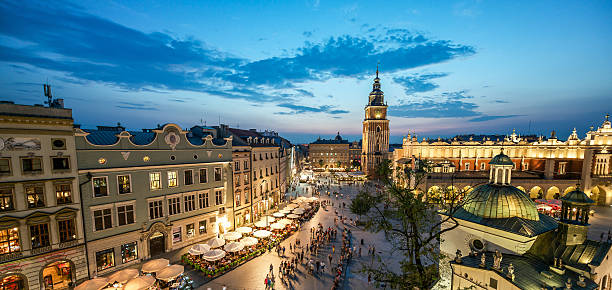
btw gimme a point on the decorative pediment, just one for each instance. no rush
(7, 222)
(37, 218)
(66, 213)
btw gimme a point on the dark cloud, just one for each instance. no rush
(299, 109)
(489, 118)
(419, 83)
(501, 102)
(305, 93)
(136, 106)
(64, 37)
(446, 105)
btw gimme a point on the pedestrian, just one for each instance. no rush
(359, 252)
(283, 251)
(271, 267)
(369, 278)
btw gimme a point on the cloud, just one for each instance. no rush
(501, 102)
(445, 105)
(63, 37)
(135, 106)
(307, 33)
(305, 93)
(489, 118)
(419, 83)
(299, 109)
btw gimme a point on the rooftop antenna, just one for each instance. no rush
(47, 89)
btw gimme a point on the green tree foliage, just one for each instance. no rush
(320, 162)
(411, 222)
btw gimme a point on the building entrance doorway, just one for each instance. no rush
(58, 275)
(157, 244)
(12, 282)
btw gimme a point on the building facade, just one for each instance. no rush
(375, 142)
(545, 168)
(329, 153)
(42, 244)
(150, 192)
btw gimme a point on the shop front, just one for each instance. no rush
(58, 275)
(13, 282)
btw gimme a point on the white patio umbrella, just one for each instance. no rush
(139, 283)
(234, 247)
(293, 216)
(262, 234)
(213, 255)
(155, 265)
(93, 284)
(216, 242)
(244, 230)
(249, 241)
(285, 211)
(123, 276)
(170, 273)
(261, 224)
(298, 211)
(305, 206)
(278, 214)
(269, 219)
(277, 226)
(198, 249)
(232, 236)
(284, 221)
(291, 206)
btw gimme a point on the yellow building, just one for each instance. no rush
(329, 154)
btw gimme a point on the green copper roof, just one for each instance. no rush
(500, 201)
(577, 196)
(501, 159)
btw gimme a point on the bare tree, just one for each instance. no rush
(412, 222)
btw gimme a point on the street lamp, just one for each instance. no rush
(265, 195)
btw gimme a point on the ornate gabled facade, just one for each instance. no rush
(375, 142)
(149, 192)
(42, 242)
(544, 168)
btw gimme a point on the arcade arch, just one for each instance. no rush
(553, 193)
(536, 192)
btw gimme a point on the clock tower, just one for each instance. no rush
(375, 142)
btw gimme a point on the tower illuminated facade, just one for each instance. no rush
(375, 146)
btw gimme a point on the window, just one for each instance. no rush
(188, 177)
(238, 199)
(9, 241)
(6, 199)
(129, 252)
(190, 230)
(58, 144)
(266, 171)
(103, 219)
(203, 200)
(562, 166)
(40, 235)
(105, 259)
(246, 164)
(189, 202)
(260, 173)
(172, 179)
(176, 235)
(174, 205)
(63, 193)
(467, 166)
(493, 283)
(246, 178)
(100, 186)
(60, 163)
(525, 166)
(155, 180)
(218, 196)
(67, 230)
(125, 185)
(237, 181)
(31, 165)
(35, 195)
(237, 165)
(483, 166)
(5, 166)
(218, 174)
(156, 209)
(125, 214)
(202, 227)
(266, 155)
(203, 175)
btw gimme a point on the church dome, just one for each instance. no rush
(501, 159)
(497, 201)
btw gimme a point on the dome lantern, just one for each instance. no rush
(501, 169)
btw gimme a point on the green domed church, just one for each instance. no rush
(503, 242)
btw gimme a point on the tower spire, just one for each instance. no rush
(377, 69)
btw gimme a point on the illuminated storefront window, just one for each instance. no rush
(9, 241)
(105, 259)
(129, 252)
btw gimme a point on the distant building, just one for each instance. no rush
(375, 142)
(149, 192)
(329, 153)
(545, 168)
(42, 243)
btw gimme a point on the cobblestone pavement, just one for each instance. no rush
(252, 274)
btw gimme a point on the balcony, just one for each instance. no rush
(68, 244)
(41, 250)
(11, 256)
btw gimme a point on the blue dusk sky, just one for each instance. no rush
(305, 68)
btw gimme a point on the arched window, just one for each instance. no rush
(377, 129)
